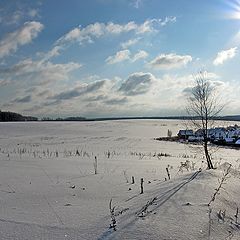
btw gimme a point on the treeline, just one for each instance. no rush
(15, 117)
(64, 119)
(12, 116)
(222, 118)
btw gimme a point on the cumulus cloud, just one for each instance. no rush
(54, 52)
(79, 90)
(224, 56)
(169, 61)
(150, 24)
(24, 35)
(129, 43)
(139, 55)
(137, 83)
(118, 57)
(96, 30)
(39, 72)
(124, 55)
(214, 86)
(214, 83)
(140, 94)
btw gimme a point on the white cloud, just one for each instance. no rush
(118, 57)
(168, 20)
(54, 52)
(4, 82)
(224, 56)
(136, 3)
(211, 75)
(39, 72)
(15, 17)
(24, 35)
(139, 55)
(147, 26)
(169, 61)
(129, 43)
(18, 16)
(72, 35)
(78, 91)
(97, 30)
(124, 55)
(18, 13)
(150, 24)
(141, 93)
(137, 83)
(33, 13)
(114, 28)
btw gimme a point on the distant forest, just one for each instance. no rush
(16, 117)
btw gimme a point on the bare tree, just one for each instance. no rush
(203, 108)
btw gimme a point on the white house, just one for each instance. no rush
(234, 133)
(213, 133)
(195, 138)
(185, 134)
(218, 133)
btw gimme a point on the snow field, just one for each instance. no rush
(48, 189)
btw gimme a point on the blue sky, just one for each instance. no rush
(111, 58)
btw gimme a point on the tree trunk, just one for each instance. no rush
(208, 158)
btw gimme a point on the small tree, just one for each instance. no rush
(203, 108)
(169, 133)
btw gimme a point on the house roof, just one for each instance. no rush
(185, 132)
(238, 141)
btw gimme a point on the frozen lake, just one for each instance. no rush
(48, 186)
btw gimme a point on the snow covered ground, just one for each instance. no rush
(48, 189)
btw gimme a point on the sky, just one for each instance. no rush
(112, 58)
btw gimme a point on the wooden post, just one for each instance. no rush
(95, 165)
(168, 173)
(133, 181)
(236, 216)
(141, 186)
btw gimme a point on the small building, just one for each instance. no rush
(234, 133)
(185, 134)
(218, 133)
(229, 140)
(195, 139)
(199, 133)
